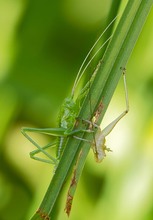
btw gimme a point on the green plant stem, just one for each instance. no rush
(103, 87)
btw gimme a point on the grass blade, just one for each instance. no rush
(116, 56)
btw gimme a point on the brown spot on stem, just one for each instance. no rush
(42, 214)
(98, 112)
(68, 204)
(70, 193)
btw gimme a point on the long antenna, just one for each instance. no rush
(78, 77)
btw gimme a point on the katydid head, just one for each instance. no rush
(99, 147)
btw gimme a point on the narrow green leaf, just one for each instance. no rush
(116, 56)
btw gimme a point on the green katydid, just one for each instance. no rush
(68, 115)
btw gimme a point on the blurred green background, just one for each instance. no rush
(42, 45)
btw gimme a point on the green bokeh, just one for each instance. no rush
(42, 45)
